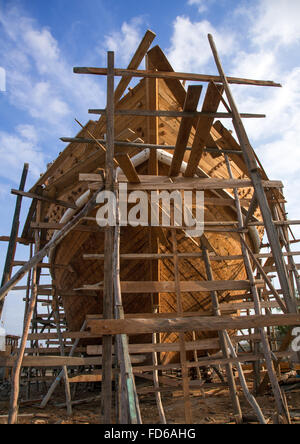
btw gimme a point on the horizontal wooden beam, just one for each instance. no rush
(65, 335)
(20, 240)
(187, 255)
(55, 226)
(203, 344)
(59, 361)
(206, 362)
(218, 323)
(120, 144)
(157, 183)
(136, 287)
(174, 75)
(46, 199)
(175, 114)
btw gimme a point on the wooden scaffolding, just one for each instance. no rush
(119, 361)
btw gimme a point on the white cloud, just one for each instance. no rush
(190, 50)
(40, 80)
(124, 42)
(202, 5)
(28, 132)
(260, 40)
(276, 22)
(19, 148)
(2, 79)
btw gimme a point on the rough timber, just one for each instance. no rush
(152, 296)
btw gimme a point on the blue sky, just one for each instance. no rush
(41, 41)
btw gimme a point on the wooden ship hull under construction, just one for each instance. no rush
(71, 272)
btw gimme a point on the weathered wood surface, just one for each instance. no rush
(182, 114)
(186, 286)
(44, 198)
(139, 326)
(173, 76)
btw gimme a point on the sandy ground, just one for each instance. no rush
(215, 408)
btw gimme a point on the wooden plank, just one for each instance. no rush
(44, 198)
(225, 141)
(134, 63)
(202, 344)
(222, 337)
(30, 307)
(186, 286)
(108, 290)
(191, 103)
(183, 359)
(143, 326)
(12, 243)
(55, 226)
(211, 104)
(86, 378)
(175, 114)
(154, 235)
(242, 358)
(51, 361)
(281, 406)
(38, 257)
(61, 158)
(150, 256)
(20, 240)
(182, 183)
(173, 75)
(273, 269)
(127, 167)
(252, 166)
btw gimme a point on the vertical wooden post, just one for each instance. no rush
(14, 398)
(108, 294)
(184, 368)
(27, 297)
(11, 249)
(254, 174)
(62, 350)
(155, 362)
(129, 404)
(281, 407)
(61, 374)
(152, 137)
(198, 371)
(224, 348)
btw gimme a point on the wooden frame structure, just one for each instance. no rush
(120, 360)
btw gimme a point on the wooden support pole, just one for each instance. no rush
(38, 257)
(155, 362)
(264, 275)
(44, 198)
(11, 249)
(108, 294)
(15, 387)
(251, 210)
(135, 63)
(175, 114)
(222, 339)
(62, 352)
(183, 360)
(250, 398)
(61, 374)
(27, 298)
(172, 76)
(152, 104)
(281, 406)
(252, 166)
(129, 410)
(190, 104)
